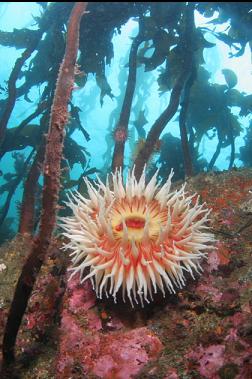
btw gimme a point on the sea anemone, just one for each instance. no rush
(136, 237)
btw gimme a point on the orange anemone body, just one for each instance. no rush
(136, 237)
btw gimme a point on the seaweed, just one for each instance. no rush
(168, 50)
(53, 155)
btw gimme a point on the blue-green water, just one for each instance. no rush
(99, 121)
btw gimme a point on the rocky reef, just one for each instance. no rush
(204, 331)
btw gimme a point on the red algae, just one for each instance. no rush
(81, 297)
(120, 354)
(210, 360)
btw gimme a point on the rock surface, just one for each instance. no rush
(204, 331)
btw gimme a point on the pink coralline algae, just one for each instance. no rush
(171, 374)
(218, 257)
(84, 344)
(207, 290)
(227, 217)
(209, 359)
(120, 355)
(127, 354)
(233, 356)
(81, 296)
(213, 261)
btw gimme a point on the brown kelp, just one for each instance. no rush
(121, 130)
(167, 29)
(168, 41)
(53, 156)
(185, 48)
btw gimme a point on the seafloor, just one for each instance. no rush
(205, 331)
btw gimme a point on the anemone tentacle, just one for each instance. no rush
(135, 236)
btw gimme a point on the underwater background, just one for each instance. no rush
(219, 112)
(125, 190)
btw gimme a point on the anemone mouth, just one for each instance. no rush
(132, 222)
(131, 227)
(135, 220)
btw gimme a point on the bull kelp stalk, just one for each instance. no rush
(27, 214)
(121, 130)
(26, 224)
(159, 125)
(188, 45)
(53, 156)
(188, 165)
